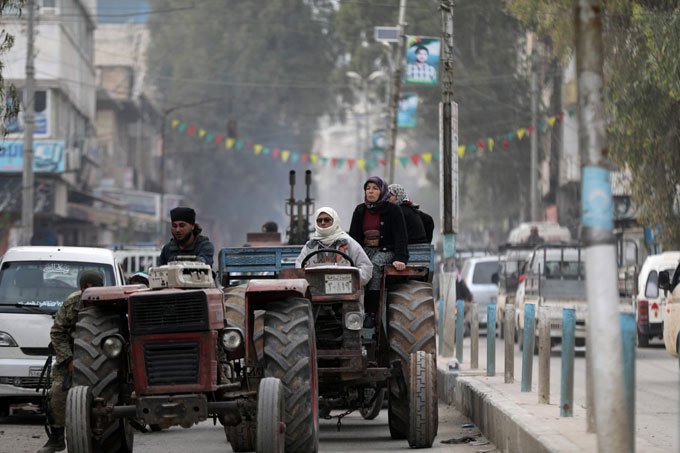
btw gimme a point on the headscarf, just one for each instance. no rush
(384, 197)
(398, 191)
(327, 236)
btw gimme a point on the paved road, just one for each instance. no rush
(25, 434)
(657, 387)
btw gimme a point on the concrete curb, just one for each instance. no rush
(505, 423)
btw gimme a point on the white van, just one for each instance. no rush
(648, 303)
(34, 282)
(481, 277)
(137, 260)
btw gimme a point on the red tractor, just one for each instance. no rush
(167, 356)
(357, 367)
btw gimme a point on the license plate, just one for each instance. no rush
(34, 371)
(338, 284)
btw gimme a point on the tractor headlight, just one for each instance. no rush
(354, 320)
(232, 339)
(113, 346)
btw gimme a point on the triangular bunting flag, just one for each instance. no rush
(266, 151)
(304, 158)
(505, 143)
(295, 157)
(461, 152)
(201, 133)
(210, 137)
(257, 149)
(239, 145)
(481, 145)
(182, 127)
(491, 144)
(229, 143)
(361, 163)
(404, 161)
(219, 138)
(427, 157)
(314, 158)
(552, 120)
(382, 162)
(339, 162)
(530, 130)
(323, 160)
(275, 153)
(350, 163)
(521, 132)
(174, 124)
(415, 159)
(285, 154)
(191, 131)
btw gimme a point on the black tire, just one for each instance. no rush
(423, 408)
(642, 340)
(372, 411)
(271, 412)
(103, 375)
(78, 429)
(520, 338)
(155, 428)
(290, 355)
(242, 436)
(411, 328)
(234, 313)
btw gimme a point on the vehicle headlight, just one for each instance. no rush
(354, 320)
(7, 340)
(231, 339)
(113, 346)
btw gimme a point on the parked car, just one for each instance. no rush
(648, 303)
(512, 262)
(481, 276)
(671, 326)
(34, 281)
(554, 279)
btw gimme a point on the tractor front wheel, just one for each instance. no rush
(78, 427)
(271, 412)
(423, 409)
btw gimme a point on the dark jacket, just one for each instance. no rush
(393, 236)
(414, 225)
(201, 247)
(428, 223)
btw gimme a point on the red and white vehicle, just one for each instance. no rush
(649, 303)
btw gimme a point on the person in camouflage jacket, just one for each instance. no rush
(61, 335)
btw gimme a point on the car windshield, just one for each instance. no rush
(484, 272)
(44, 284)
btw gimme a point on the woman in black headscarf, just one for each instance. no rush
(379, 227)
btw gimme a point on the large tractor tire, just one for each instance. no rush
(235, 311)
(271, 411)
(423, 408)
(104, 376)
(411, 328)
(242, 436)
(78, 427)
(290, 355)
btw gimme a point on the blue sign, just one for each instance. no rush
(407, 116)
(48, 156)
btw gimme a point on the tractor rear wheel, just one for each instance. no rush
(271, 411)
(423, 409)
(78, 427)
(104, 376)
(290, 355)
(411, 328)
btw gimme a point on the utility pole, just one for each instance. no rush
(28, 177)
(391, 151)
(597, 226)
(448, 177)
(533, 185)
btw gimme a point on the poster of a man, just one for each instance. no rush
(422, 60)
(408, 110)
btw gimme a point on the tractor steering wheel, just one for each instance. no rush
(337, 252)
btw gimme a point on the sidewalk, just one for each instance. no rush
(514, 420)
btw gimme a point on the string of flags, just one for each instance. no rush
(488, 144)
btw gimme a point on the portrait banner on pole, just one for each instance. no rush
(422, 60)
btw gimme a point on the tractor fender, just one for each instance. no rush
(260, 292)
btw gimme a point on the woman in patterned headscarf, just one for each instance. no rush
(379, 226)
(415, 228)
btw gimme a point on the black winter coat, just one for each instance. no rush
(414, 225)
(201, 247)
(393, 236)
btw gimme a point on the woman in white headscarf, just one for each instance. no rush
(329, 235)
